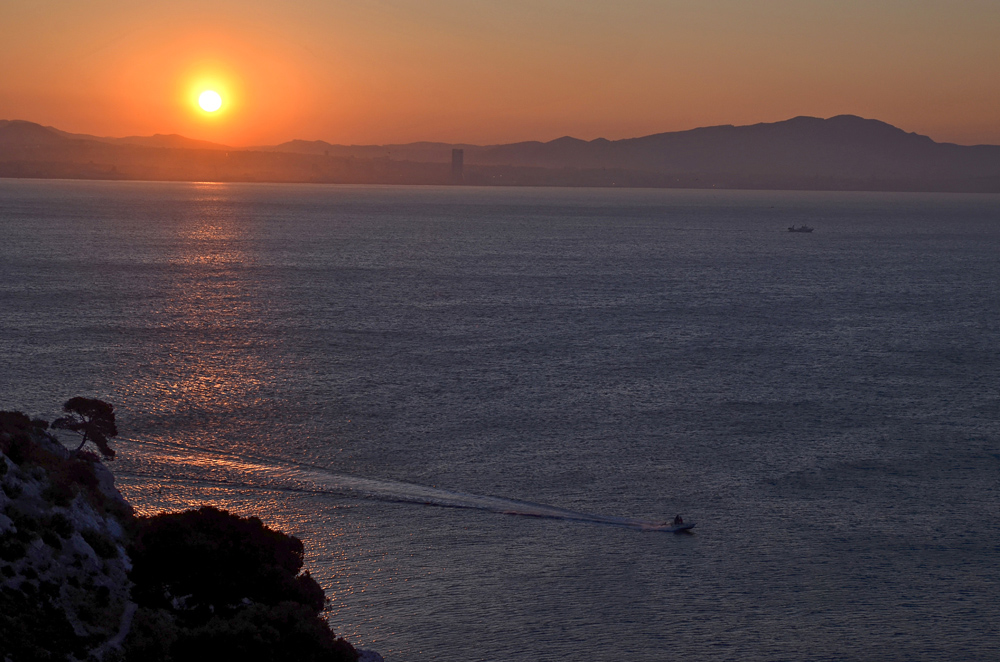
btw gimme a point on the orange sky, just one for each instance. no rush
(488, 71)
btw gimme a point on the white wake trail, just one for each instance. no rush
(268, 473)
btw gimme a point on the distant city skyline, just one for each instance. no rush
(480, 72)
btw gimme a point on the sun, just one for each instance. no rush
(210, 101)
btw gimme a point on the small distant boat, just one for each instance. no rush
(801, 228)
(680, 528)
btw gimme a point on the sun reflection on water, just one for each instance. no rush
(206, 366)
(208, 358)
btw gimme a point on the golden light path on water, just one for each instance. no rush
(212, 364)
(342, 551)
(163, 463)
(212, 314)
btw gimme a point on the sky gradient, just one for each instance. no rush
(491, 71)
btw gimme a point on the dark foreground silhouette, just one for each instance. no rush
(82, 578)
(214, 586)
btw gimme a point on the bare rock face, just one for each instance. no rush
(64, 588)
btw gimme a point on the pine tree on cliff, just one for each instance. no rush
(93, 419)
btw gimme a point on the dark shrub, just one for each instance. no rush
(15, 441)
(102, 596)
(102, 544)
(19, 448)
(12, 490)
(215, 560)
(58, 493)
(28, 527)
(66, 477)
(218, 559)
(32, 628)
(52, 539)
(49, 590)
(14, 421)
(79, 471)
(262, 633)
(11, 548)
(60, 524)
(153, 634)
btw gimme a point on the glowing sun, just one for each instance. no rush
(210, 101)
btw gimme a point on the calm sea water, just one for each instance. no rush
(474, 405)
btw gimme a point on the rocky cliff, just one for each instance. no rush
(64, 589)
(82, 578)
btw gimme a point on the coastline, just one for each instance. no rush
(76, 564)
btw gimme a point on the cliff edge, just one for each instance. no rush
(64, 587)
(83, 578)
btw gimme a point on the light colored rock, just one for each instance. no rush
(93, 592)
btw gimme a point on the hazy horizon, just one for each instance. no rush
(310, 139)
(398, 71)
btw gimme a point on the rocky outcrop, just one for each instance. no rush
(196, 582)
(64, 588)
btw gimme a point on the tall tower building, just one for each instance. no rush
(457, 166)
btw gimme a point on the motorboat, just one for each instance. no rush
(679, 528)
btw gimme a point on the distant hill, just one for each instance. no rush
(840, 148)
(18, 133)
(168, 141)
(22, 132)
(839, 153)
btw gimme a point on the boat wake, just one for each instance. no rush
(159, 460)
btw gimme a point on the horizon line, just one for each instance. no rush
(258, 146)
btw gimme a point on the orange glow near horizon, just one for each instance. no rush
(194, 87)
(484, 73)
(258, 95)
(262, 91)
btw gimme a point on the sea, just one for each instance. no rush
(478, 406)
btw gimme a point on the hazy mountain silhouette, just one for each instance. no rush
(168, 141)
(840, 153)
(23, 132)
(428, 152)
(845, 147)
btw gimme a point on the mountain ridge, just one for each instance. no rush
(844, 152)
